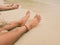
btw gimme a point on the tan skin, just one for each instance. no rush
(9, 7)
(9, 38)
(17, 23)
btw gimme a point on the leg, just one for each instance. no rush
(18, 23)
(9, 7)
(10, 37)
(34, 22)
(13, 35)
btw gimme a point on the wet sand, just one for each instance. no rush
(48, 31)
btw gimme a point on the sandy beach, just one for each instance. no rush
(47, 32)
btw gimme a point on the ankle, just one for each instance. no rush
(26, 28)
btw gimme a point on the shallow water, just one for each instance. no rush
(29, 4)
(36, 5)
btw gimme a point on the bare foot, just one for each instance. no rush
(9, 5)
(14, 6)
(34, 22)
(24, 19)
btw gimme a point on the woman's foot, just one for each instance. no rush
(24, 19)
(9, 7)
(16, 23)
(34, 22)
(14, 6)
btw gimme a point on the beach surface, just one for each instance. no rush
(48, 30)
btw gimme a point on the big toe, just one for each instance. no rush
(38, 17)
(28, 12)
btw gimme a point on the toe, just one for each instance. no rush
(28, 12)
(38, 17)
